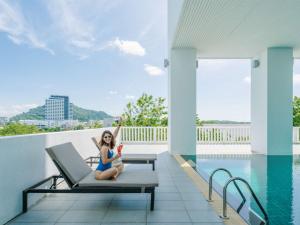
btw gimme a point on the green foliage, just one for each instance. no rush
(223, 122)
(96, 124)
(198, 121)
(146, 111)
(18, 129)
(79, 127)
(52, 129)
(296, 111)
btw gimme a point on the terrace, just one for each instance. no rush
(179, 198)
(265, 32)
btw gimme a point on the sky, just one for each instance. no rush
(103, 54)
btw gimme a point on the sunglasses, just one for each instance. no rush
(107, 137)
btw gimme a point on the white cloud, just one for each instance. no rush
(247, 79)
(15, 40)
(296, 79)
(76, 24)
(69, 20)
(13, 110)
(153, 70)
(113, 92)
(146, 30)
(130, 97)
(17, 28)
(127, 47)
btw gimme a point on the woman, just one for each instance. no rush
(105, 170)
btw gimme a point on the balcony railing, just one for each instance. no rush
(141, 135)
(205, 135)
(296, 135)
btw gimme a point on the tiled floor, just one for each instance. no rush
(177, 202)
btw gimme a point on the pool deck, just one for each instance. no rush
(178, 201)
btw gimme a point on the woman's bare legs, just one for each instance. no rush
(119, 170)
(107, 174)
(113, 172)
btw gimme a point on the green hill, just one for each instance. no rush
(37, 113)
(223, 122)
(80, 114)
(87, 114)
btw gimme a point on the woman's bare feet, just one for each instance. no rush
(114, 177)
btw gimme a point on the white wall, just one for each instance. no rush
(24, 162)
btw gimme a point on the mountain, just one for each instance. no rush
(87, 114)
(37, 113)
(80, 114)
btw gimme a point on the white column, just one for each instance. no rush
(271, 102)
(182, 101)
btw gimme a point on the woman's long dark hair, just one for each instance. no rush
(112, 140)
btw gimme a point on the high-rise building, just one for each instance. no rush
(3, 120)
(58, 107)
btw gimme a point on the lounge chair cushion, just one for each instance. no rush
(69, 160)
(134, 178)
(139, 157)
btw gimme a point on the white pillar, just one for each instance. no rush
(182, 101)
(271, 102)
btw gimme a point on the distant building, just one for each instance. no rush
(3, 120)
(51, 123)
(58, 107)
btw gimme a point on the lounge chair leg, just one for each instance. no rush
(54, 182)
(25, 197)
(152, 199)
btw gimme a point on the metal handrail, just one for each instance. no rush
(235, 184)
(233, 179)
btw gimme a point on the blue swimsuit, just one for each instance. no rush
(106, 166)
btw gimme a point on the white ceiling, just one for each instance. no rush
(238, 28)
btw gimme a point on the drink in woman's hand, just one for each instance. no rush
(119, 149)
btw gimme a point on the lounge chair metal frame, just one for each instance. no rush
(74, 188)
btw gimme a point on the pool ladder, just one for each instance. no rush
(233, 180)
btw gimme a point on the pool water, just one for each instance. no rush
(274, 179)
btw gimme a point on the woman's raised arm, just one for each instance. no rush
(116, 131)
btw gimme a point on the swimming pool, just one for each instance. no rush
(274, 179)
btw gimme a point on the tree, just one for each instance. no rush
(96, 124)
(17, 129)
(146, 111)
(52, 129)
(198, 121)
(79, 127)
(296, 111)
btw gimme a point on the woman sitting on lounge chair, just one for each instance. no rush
(105, 170)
